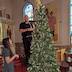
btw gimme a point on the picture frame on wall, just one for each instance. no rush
(52, 20)
(0, 13)
(8, 16)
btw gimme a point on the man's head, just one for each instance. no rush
(26, 19)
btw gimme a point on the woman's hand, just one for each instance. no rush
(16, 56)
(9, 60)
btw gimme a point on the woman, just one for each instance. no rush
(7, 56)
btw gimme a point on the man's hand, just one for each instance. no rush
(30, 29)
(23, 30)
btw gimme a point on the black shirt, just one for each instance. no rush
(23, 25)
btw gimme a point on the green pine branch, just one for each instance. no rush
(43, 58)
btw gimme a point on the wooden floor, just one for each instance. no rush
(18, 66)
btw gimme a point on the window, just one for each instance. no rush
(1, 35)
(71, 17)
(70, 20)
(28, 10)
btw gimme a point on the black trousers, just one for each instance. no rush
(27, 44)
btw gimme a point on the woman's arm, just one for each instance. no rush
(9, 60)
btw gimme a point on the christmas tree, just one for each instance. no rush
(43, 58)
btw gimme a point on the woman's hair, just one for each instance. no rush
(5, 42)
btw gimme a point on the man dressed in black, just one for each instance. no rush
(26, 29)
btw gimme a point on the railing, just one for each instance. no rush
(60, 50)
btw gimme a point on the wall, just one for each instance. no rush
(60, 8)
(18, 17)
(6, 6)
(65, 38)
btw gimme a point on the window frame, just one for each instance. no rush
(26, 4)
(70, 24)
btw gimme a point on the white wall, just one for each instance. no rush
(14, 8)
(60, 9)
(18, 17)
(6, 5)
(63, 14)
(62, 19)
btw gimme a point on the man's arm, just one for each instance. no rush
(23, 30)
(32, 28)
(27, 29)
